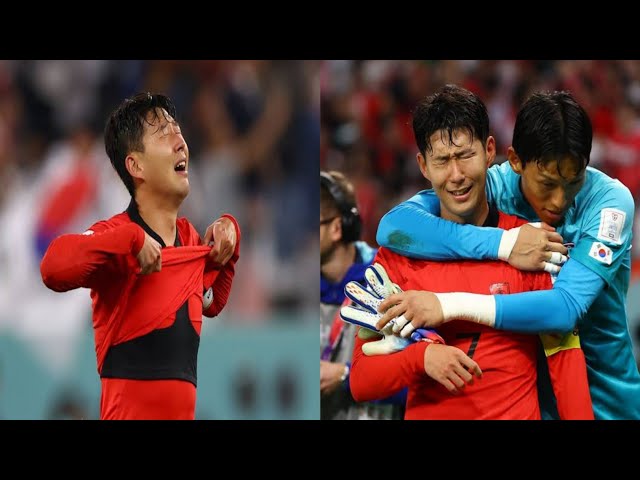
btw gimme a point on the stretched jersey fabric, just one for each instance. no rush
(146, 327)
(507, 389)
(599, 223)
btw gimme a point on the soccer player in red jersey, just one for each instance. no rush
(147, 269)
(452, 132)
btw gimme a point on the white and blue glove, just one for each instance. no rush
(387, 343)
(364, 313)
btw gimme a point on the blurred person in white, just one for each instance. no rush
(147, 294)
(71, 174)
(343, 258)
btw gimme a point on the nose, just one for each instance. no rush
(456, 174)
(180, 145)
(559, 200)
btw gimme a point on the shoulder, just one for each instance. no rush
(115, 221)
(502, 172)
(598, 183)
(601, 191)
(392, 260)
(385, 254)
(502, 181)
(500, 169)
(188, 232)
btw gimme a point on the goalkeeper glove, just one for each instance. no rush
(364, 312)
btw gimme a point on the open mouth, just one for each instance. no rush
(460, 192)
(181, 166)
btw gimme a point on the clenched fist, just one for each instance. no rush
(150, 256)
(221, 235)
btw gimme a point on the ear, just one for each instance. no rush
(422, 164)
(335, 229)
(134, 167)
(491, 150)
(514, 160)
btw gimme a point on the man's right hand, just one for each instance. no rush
(450, 367)
(150, 256)
(537, 248)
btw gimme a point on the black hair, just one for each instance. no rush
(337, 195)
(125, 129)
(552, 126)
(450, 109)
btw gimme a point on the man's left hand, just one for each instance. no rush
(330, 376)
(221, 234)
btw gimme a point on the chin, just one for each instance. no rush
(465, 210)
(183, 191)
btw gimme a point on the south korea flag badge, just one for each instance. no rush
(601, 253)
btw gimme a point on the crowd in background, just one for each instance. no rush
(366, 121)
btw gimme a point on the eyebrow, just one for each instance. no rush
(459, 153)
(164, 123)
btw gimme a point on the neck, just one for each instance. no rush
(161, 215)
(336, 267)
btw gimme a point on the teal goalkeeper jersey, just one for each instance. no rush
(600, 224)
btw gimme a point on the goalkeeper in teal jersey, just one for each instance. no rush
(547, 179)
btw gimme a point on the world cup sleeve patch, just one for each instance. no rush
(602, 253)
(611, 223)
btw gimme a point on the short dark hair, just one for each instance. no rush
(337, 197)
(328, 204)
(451, 108)
(552, 125)
(125, 129)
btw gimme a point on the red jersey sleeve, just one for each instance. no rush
(380, 376)
(80, 260)
(222, 284)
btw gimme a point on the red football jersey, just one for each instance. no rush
(128, 306)
(507, 389)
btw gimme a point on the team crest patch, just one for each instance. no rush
(600, 252)
(611, 223)
(499, 288)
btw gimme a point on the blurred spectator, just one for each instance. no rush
(343, 258)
